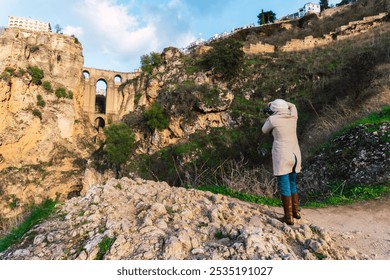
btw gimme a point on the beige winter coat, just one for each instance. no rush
(285, 148)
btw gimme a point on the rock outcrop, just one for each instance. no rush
(26, 136)
(358, 157)
(42, 132)
(144, 220)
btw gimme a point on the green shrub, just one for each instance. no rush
(120, 143)
(61, 92)
(40, 101)
(5, 76)
(192, 69)
(37, 113)
(10, 70)
(47, 86)
(156, 118)
(225, 59)
(36, 74)
(7, 73)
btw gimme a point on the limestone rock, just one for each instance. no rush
(151, 220)
(39, 141)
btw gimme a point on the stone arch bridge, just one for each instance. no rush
(102, 104)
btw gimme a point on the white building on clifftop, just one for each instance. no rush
(308, 8)
(28, 23)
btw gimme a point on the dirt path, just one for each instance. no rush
(363, 226)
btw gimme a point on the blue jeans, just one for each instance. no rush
(287, 184)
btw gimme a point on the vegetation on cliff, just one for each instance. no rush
(37, 214)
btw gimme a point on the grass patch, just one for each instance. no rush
(104, 247)
(38, 213)
(242, 196)
(375, 119)
(220, 235)
(341, 195)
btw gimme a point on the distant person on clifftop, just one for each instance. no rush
(286, 155)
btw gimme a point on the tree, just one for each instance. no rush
(150, 61)
(261, 18)
(324, 4)
(344, 2)
(120, 143)
(266, 17)
(270, 17)
(156, 118)
(58, 28)
(225, 59)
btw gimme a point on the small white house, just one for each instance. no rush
(308, 8)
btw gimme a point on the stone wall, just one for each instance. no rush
(308, 42)
(344, 32)
(259, 48)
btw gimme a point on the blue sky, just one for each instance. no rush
(116, 33)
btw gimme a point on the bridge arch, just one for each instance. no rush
(86, 75)
(99, 123)
(101, 96)
(118, 79)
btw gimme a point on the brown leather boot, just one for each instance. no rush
(287, 207)
(295, 206)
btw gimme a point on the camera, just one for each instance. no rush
(268, 111)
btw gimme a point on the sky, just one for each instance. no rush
(116, 33)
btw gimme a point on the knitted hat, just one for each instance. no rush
(278, 104)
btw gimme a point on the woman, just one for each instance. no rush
(286, 155)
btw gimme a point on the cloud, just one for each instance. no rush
(172, 22)
(126, 32)
(110, 29)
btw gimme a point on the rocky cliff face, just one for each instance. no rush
(61, 60)
(40, 133)
(162, 86)
(150, 220)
